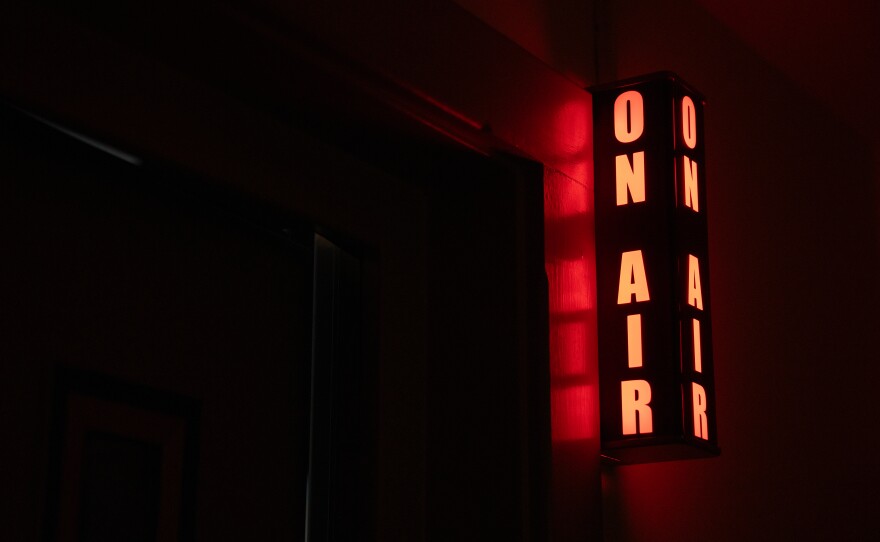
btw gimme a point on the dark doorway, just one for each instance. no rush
(116, 267)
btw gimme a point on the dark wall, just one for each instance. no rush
(792, 220)
(793, 204)
(448, 234)
(794, 256)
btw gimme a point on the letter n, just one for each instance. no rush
(691, 195)
(630, 178)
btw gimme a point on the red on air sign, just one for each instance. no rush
(657, 391)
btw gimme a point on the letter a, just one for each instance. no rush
(695, 293)
(636, 414)
(633, 281)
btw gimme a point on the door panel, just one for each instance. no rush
(126, 272)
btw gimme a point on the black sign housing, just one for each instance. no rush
(655, 335)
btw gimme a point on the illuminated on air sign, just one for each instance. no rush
(655, 336)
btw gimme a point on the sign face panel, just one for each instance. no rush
(655, 336)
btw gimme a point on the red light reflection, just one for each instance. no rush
(570, 257)
(570, 265)
(570, 262)
(571, 341)
(572, 148)
(574, 401)
(572, 344)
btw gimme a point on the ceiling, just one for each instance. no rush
(830, 49)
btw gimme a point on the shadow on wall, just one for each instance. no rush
(558, 32)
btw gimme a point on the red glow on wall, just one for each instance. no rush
(572, 142)
(572, 288)
(570, 339)
(571, 279)
(570, 257)
(572, 404)
(565, 137)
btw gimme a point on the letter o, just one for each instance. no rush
(689, 122)
(629, 116)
